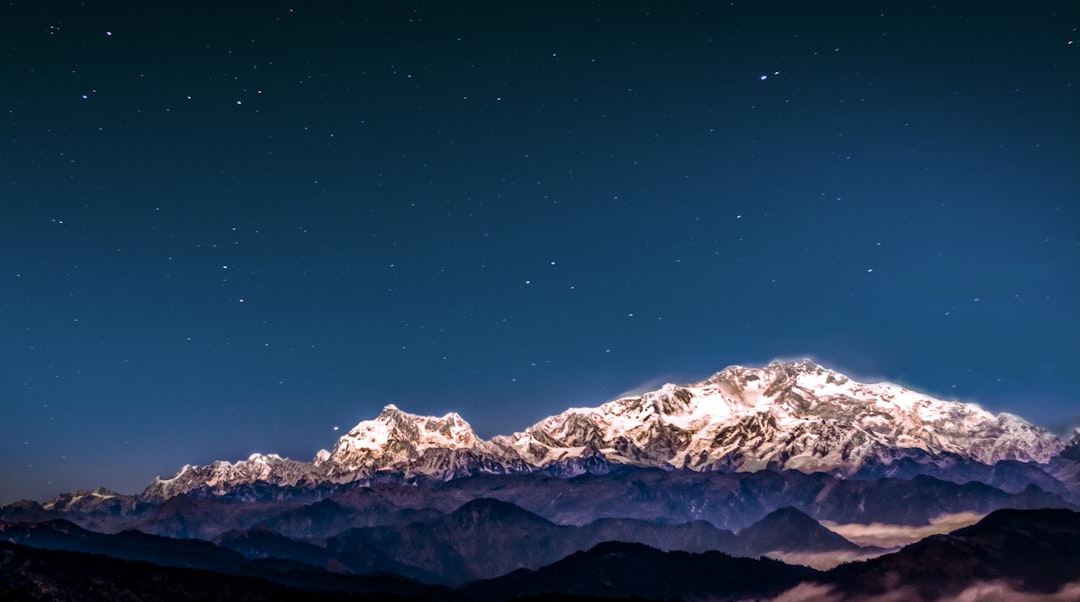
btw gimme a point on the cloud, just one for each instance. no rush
(824, 561)
(894, 536)
(808, 592)
(983, 591)
(996, 591)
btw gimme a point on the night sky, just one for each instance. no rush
(232, 227)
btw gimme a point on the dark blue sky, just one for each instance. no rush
(228, 230)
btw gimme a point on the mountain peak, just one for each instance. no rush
(396, 438)
(788, 414)
(802, 365)
(790, 529)
(488, 511)
(775, 373)
(82, 498)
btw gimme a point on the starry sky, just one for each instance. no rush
(230, 228)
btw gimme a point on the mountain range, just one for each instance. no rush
(741, 486)
(1008, 555)
(784, 416)
(482, 539)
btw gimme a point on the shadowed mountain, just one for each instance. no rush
(207, 517)
(737, 500)
(378, 505)
(630, 570)
(126, 545)
(263, 543)
(33, 574)
(486, 538)
(1007, 475)
(1032, 551)
(1066, 467)
(483, 538)
(1072, 448)
(97, 509)
(726, 500)
(295, 563)
(697, 536)
(788, 530)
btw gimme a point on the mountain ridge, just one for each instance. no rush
(783, 416)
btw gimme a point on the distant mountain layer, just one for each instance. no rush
(1008, 555)
(725, 500)
(484, 538)
(785, 416)
(674, 494)
(30, 574)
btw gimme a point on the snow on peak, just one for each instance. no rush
(786, 415)
(795, 415)
(397, 436)
(424, 431)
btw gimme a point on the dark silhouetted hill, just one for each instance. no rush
(1033, 551)
(630, 570)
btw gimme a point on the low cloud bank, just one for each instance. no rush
(983, 591)
(824, 561)
(885, 535)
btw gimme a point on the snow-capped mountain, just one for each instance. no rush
(221, 476)
(412, 445)
(395, 442)
(787, 415)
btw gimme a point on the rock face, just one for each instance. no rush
(785, 416)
